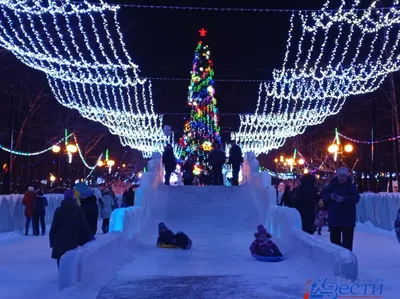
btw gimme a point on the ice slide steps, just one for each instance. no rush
(221, 222)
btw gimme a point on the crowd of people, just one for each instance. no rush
(75, 221)
(334, 204)
(215, 160)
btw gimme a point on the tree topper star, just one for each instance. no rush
(203, 32)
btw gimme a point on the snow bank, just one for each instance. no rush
(379, 208)
(12, 217)
(101, 258)
(285, 225)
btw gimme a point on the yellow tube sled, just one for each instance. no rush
(166, 246)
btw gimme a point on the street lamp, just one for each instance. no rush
(333, 148)
(348, 148)
(56, 149)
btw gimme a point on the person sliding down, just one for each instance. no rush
(165, 235)
(262, 245)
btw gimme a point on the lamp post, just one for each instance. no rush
(337, 149)
(68, 150)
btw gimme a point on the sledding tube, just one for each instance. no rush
(166, 246)
(268, 258)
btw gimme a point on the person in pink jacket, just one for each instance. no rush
(262, 245)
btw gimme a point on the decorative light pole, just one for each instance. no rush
(69, 149)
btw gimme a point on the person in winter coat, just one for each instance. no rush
(287, 198)
(217, 160)
(129, 197)
(165, 235)
(342, 196)
(321, 217)
(262, 245)
(69, 228)
(169, 161)
(106, 208)
(27, 201)
(305, 202)
(39, 212)
(235, 159)
(90, 209)
(188, 176)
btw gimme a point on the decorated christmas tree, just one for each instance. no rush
(202, 129)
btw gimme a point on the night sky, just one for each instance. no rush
(244, 45)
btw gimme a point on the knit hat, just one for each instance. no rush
(31, 189)
(342, 171)
(69, 194)
(261, 229)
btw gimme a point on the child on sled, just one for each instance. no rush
(262, 245)
(167, 237)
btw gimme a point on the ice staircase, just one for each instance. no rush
(209, 208)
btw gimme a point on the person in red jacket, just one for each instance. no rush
(27, 201)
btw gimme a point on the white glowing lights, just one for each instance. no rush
(81, 49)
(335, 53)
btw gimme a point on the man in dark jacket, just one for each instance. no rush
(341, 196)
(217, 160)
(39, 212)
(305, 201)
(69, 228)
(235, 159)
(129, 197)
(90, 209)
(169, 162)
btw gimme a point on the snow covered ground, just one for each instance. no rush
(221, 224)
(26, 267)
(378, 253)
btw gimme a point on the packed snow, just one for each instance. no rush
(221, 223)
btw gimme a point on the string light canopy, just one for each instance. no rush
(336, 54)
(80, 47)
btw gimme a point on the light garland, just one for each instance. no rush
(80, 47)
(369, 142)
(336, 56)
(19, 153)
(26, 154)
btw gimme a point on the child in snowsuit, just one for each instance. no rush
(165, 235)
(262, 245)
(321, 216)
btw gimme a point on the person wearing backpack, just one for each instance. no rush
(39, 212)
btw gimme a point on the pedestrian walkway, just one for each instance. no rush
(26, 267)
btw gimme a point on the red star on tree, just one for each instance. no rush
(203, 32)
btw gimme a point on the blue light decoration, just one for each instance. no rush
(202, 129)
(80, 48)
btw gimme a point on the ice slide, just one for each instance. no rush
(221, 222)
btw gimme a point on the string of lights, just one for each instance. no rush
(26, 154)
(368, 142)
(81, 49)
(224, 9)
(215, 79)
